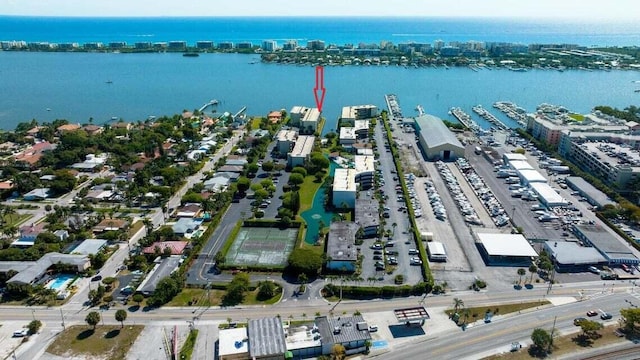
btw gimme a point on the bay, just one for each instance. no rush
(74, 86)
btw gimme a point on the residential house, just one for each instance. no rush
(186, 226)
(163, 269)
(30, 156)
(176, 247)
(32, 271)
(92, 130)
(67, 128)
(29, 233)
(189, 210)
(37, 194)
(111, 225)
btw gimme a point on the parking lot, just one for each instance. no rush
(394, 212)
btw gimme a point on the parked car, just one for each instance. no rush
(578, 321)
(594, 269)
(96, 278)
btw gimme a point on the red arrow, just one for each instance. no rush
(319, 90)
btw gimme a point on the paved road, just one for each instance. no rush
(480, 338)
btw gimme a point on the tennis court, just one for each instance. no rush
(262, 246)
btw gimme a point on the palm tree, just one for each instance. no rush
(457, 304)
(532, 269)
(521, 272)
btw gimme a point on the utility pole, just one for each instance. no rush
(62, 316)
(553, 329)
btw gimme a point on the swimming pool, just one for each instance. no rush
(60, 281)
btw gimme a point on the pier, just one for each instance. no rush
(465, 119)
(513, 112)
(393, 106)
(213, 102)
(478, 109)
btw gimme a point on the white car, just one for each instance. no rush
(21, 333)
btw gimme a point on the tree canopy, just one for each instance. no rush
(305, 261)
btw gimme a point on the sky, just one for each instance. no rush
(580, 9)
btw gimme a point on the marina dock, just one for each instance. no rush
(395, 112)
(485, 114)
(465, 119)
(513, 112)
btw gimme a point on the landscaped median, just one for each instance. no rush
(426, 271)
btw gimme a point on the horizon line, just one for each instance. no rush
(405, 16)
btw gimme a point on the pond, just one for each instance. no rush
(317, 212)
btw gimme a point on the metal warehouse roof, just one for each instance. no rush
(506, 244)
(435, 132)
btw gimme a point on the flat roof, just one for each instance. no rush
(520, 165)
(436, 248)
(531, 176)
(606, 241)
(266, 337)
(233, 341)
(514, 157)
(364, 163)
(548, 196)
(341, 243)
(343, 329)
(313, 114)
(411, 314)
(497, 244)
(347, 133)
(159, 272)
(596, 195)
(361, 125)
(303, 146)
(366, 213)
(344, 180)
(435, 132)
(286, 135)
(570, 252)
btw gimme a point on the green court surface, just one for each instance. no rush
(258, 246)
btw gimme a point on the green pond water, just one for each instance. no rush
(317, 212)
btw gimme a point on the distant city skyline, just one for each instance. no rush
(553, 9)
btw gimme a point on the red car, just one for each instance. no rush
(592, 313)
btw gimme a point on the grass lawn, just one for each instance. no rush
(307, 191)
(14, 219)
(500, 309)
(135, 227)
(105, 342)
(565, 345)
(198, 297)
(187, 348)
(577, 117)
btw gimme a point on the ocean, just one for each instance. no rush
(333, 30)
(102, 86)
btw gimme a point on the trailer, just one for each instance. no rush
(436, 251)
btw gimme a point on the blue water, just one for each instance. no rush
(334, 30)
(60, 281)
(380, 344)
(72, 86)
(317, 212)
